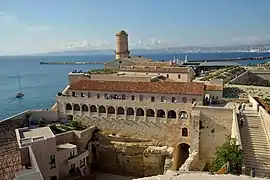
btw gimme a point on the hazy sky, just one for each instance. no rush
(32, 26)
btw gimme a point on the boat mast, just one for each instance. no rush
(19, 81)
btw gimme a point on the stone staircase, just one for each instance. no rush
(254, 142)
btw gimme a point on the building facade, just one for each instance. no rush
(44, 158)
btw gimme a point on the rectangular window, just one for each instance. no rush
(193, 100)
(162, 99)
(82, 162)
(52, 162)
(173, 99)
(179, 76)
(89, 94)
(82, 94)
(168, 76)
(141, 97)
(133, 98)
(152, 98)
(73, 94)
(71, 154)
(98, 96)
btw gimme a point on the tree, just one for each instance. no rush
(228, 152)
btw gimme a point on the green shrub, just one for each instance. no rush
(228, 152)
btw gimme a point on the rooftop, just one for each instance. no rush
(35, 133)
(65, 146)
(156, 69)
(164, 87)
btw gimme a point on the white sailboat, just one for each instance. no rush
(20, 94)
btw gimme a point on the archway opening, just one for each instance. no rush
(161, 113)
(130, 111)
(93, 108)
(102, 109)
(68, 107)
(183, 154)
(76, 107)
(183, 115)
(172, 114)
(150, 113)
(140, 112)
(120, 110)
(84, 108)
(111, 110)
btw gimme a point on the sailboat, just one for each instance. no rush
(20, 94)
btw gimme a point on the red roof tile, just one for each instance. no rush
(186, 88)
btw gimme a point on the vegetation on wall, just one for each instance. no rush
(228, 152)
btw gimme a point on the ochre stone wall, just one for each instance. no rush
(129, 158)
(215, 129)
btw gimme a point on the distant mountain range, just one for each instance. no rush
(260, 47)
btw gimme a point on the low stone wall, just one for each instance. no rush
(235, 133)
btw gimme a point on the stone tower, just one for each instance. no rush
(122, 50)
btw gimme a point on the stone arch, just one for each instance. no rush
(120, 110)
(183, 115)
(161, 113)
(130, 111)
(185, 132)
(84, 107)
(172, 114)
(68, 107)
(93, 108)
(182, 153)
(150, 113)
(102, 109)
(76, 107)
(111, 110)
(140, 112)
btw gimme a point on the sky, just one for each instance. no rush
(38, 26)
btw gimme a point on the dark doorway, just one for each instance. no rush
(183, 154)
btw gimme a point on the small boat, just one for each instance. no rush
(20, 94)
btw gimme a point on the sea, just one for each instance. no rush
(41, 83)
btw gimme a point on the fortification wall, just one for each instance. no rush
(215, 129)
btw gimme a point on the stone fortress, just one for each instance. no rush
(141, 119)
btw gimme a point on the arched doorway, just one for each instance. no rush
(111, 110)
(130, 111)
(140, 112)
(172, 114)
(84, 108)
(93, 108)
(102, 109)
(161, 113)
(68, 107)
(76, 107)
(181, 154)
(150, 113)
(120, 110)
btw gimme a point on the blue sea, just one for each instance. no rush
(41, 83)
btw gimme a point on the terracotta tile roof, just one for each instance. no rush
(187, 88)
(155, 69)
(211, 87)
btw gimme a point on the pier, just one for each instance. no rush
(68, 62)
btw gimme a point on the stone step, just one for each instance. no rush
(256, 154)
(254, 148)
(254, 140)
(255, 143)
(256, 158)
